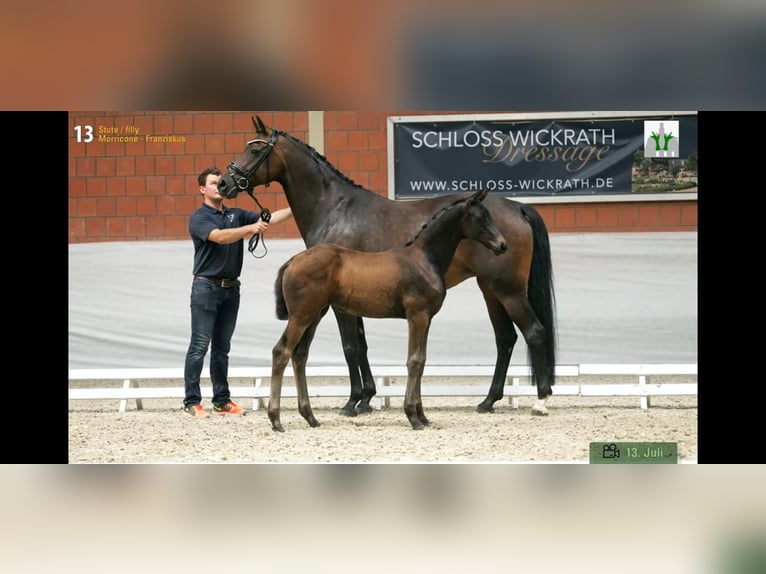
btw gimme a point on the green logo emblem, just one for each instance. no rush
(661, 138)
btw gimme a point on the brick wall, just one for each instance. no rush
(146, 190)
(641, 216)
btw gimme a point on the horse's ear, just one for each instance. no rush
(258, 124)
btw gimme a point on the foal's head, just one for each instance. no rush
(477, 223)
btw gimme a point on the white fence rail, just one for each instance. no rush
(132, 379)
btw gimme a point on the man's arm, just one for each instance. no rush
(224, 236)
(281, 215)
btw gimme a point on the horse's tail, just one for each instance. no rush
(280, 297)
(540, 290)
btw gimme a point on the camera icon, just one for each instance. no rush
(610, 451)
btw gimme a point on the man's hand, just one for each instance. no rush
(259, 226)
(254, 228)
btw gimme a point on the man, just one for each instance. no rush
(218, 233)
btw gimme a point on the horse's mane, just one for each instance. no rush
(319, 158)
(434, 217)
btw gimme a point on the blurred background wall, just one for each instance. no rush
(146, 190)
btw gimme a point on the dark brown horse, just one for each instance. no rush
(405, 282)
(330, 208)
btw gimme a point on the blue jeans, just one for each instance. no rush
(213, 318)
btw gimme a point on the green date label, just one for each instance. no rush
(633, 453)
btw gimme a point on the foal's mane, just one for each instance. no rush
(434, 217)
(319, 158)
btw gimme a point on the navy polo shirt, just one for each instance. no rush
(210, 258)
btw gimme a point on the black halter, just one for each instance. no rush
(242, 180)
(241, 177)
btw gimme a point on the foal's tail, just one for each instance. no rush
(540, 290)
(280, 297)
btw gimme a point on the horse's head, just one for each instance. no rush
(478, 224)
(243, 174)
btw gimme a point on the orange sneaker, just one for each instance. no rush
(229, 408)
(196, 411)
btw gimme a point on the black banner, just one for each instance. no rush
(536, 158)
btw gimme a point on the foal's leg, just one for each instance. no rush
(280, 356)
(505, 340)
(300, 357)
(418, 325)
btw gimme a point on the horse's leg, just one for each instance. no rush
(505, 340)
(543, 370)
(368, 382)
(350, 341)
(418, 325)
(300, 357)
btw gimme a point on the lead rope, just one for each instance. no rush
(265, 216)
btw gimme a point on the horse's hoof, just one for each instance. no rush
(482, 408)
(277, 428)
(348, 411)
(364, 409)
(417, 426)
(313, 423)
(539, 408)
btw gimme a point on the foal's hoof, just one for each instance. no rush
(313, 423)
(277, 428)
(417, 423)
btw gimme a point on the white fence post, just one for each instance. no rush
(127, 384)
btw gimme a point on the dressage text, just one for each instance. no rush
(575, 147)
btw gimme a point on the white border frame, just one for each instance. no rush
(527, 116)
